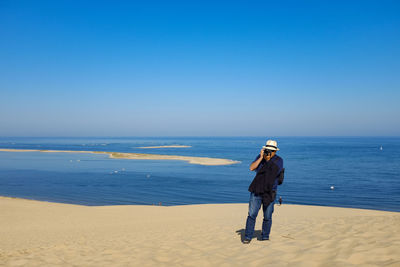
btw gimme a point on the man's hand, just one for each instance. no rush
(255, 164)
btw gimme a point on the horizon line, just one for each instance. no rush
(209, 136)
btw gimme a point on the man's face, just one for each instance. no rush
(268, 157)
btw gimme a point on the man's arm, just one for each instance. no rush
(255, 163)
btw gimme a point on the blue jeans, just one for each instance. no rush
(254, 206)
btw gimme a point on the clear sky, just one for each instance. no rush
(199, 68)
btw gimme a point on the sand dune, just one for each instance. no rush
(138, 156)
(34, 233)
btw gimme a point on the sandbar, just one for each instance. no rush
(171, 146)
(139, 156)
(35, 233)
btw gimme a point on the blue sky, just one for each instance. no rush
(199, 68)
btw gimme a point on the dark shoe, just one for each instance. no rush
(246, 241)
(264, 239)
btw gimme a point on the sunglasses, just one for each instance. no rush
(268, 152)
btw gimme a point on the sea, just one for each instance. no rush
(356, 172)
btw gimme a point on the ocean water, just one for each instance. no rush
(364, 171)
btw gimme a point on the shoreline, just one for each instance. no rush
(199, 204)
(37, 233)
(138, 156)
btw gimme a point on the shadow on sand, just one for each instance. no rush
(257, 234)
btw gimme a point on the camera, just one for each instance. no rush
(268, 152)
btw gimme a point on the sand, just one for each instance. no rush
(34, 233)
(171, 146)
(139, 156)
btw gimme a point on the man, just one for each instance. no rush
(268, 167)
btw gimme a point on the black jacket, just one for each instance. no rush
(264, 180)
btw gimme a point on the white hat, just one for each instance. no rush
(271, 145)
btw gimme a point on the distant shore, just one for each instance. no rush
(171, 146)
(36, 233)
(139, 156)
